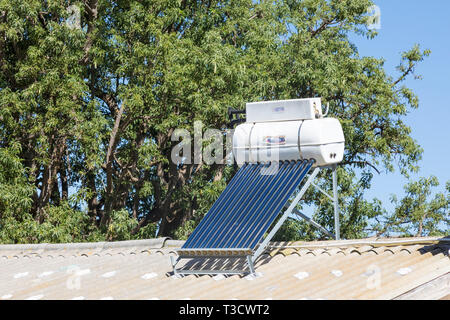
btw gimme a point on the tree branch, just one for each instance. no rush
(91, 7)
(365, 162)
(322, 27)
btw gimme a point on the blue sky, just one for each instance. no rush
(403, 24)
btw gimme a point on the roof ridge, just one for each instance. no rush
(364, 242)
(155, 243)
(166, 242)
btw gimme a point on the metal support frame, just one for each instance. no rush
(251, 258)
(292, 209)
(334, 199)
(286, 213)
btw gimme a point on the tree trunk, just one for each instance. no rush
(109, 169)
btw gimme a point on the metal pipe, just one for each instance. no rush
(326, 112)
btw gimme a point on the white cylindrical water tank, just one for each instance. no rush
(319, 139)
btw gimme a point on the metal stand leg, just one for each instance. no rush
(250, 265)
(336, 205)
(174, 262)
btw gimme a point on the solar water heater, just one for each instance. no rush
(280, 149)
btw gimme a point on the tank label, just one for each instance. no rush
(274, 140)
(278, 109)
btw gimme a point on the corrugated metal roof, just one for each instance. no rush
(346, 269)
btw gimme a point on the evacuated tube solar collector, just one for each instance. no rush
(293, 135)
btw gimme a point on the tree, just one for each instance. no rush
(93, 105)
(15, 190)
(415, 215)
